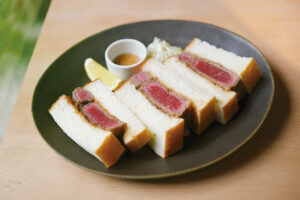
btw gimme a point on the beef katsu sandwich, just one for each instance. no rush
(93, 119)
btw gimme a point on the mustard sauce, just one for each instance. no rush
(126, 59)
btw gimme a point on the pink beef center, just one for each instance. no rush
(140, 78)
(97, 116)
(213, 71)
(164, 97)
(82, 95)
(208, 69)
(186, 58)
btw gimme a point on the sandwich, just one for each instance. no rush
(165, 99)
(101, 143)
(228, 64)
(203, 104)
(96, 113)
(136, 134)
(162, 97)
(167, 130)
(226, 101)
(213, 72)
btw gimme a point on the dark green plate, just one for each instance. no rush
(217, 142)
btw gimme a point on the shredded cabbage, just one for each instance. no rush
(161, 50)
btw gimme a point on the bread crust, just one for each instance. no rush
(122, 84)
(230, 109)
(190, 118)
(188, 46)
(139, 140)
(110, 151)
(207, 115)
(174, 139)
(67, 98)
(251, 76)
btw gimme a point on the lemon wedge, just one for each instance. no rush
(95, 70)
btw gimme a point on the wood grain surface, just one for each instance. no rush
(267, 167)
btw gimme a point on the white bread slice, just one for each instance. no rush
(167, 131)
(226, 104)
(136, 135)
(245, 67)
(98, 142)
(203, 103)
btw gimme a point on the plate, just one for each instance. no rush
(216, 143)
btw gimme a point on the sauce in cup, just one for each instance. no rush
(126, 59)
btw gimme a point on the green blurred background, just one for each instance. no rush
(20, 25)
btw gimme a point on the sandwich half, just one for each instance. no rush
(203, 104)
(100, 143)
(226, 101)
(244, 67)
(96, 113)
(162, 97)
(136, 134)
(167, 130)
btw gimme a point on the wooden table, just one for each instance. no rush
(267, 167)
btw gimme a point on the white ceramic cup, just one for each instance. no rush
(124, 46)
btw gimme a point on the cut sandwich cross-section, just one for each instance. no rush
(159, 95)
(212, 71)
(227, 102)
(100, 143)
(136, 135)
(140, 78)
(167, 101)
(203, 104)
(95, 113)
(167, 130)
(244, 67)
(81, 97)
(99, 117)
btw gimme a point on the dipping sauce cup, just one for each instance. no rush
(122, 47)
